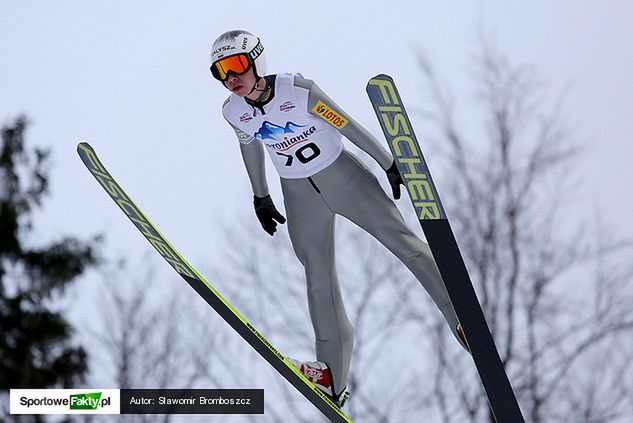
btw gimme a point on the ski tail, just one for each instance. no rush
(206, 290)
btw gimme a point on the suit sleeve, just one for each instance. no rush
(352, 130)
(253, 157)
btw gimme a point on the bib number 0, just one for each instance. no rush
(305, 154)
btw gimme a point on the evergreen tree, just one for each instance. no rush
(35, 340)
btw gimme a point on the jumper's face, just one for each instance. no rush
(241, 85)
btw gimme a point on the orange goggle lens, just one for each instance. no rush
(237, 64)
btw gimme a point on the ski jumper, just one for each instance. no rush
(301, 129)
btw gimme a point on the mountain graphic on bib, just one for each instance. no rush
(271, 131)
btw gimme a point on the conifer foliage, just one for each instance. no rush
(36, 349)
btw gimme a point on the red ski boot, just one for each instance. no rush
(320, 375)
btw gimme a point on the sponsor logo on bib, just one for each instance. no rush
(329, 115)
(286, 136)
(287, 106)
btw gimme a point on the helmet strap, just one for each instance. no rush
(259, 78)
(265, 91)
(266, 95)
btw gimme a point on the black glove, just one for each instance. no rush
(267, 214)
(395, 180)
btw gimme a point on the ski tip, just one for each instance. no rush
(381, 76)
(83, 146)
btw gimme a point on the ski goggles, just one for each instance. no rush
(237, 64)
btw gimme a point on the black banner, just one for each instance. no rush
(192, 401)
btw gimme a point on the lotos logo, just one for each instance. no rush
(329, 115)
(287, 106)
(246, 117)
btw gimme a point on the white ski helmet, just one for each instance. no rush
(234, 43)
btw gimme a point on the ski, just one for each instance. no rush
(206, 290)
(406, 150)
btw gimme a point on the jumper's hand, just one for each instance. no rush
(395, 180)
(267, 214)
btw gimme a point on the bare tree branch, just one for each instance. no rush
(507, 193)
